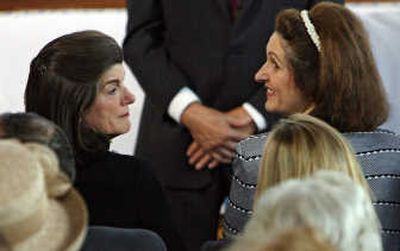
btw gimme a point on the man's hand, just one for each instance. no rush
(199, 158)
(236, 120)
(212, 129)
(247, 124)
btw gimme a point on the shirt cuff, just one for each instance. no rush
(180, 102)
(256, 116)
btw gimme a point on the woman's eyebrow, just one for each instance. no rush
(274, 56)
(112, 81)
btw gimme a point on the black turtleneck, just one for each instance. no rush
(121, 191)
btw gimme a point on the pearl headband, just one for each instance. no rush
(311, 29)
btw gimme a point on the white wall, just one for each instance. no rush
(23, 34)
(383, 23)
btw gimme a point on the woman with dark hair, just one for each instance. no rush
(320, 63)
(77, 82)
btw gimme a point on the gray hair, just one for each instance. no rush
(30, 127)
(327, 202)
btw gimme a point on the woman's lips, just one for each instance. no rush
(125, 115)
(270, 92)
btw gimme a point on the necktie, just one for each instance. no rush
(235, 7)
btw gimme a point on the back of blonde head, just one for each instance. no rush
(300, 145)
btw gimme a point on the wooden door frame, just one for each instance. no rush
(10, 5)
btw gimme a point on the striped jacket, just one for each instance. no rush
(378, 153)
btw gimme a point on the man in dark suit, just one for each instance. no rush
(195, 60)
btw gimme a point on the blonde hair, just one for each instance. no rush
(300, 145)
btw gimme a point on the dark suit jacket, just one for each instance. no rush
(175, 43)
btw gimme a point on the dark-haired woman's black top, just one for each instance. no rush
(121, 191)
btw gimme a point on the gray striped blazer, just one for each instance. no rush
(378, 153)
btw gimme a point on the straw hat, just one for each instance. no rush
(39, 209)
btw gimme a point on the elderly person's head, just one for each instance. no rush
(300, 145)
(30, 127)
(321, 62)
(336, 209)
(299, 239)
(77, 81)
(39, 208)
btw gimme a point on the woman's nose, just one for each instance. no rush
(129, 97)
(261, 74)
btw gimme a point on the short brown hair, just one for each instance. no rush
(342, 79)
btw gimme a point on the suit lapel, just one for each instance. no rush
(246, 4)
(223, 7)
(245, 8)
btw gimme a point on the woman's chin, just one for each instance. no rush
(270, 108)
(126, 128)
(119, 131)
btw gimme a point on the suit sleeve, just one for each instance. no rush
(258, 102)
(146, 54)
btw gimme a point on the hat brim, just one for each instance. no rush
(64, 228)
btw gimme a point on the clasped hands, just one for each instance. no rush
(215, 134)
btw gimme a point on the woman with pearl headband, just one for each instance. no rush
(319, 62)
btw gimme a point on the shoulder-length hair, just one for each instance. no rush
(342, 79)
(300, 145)
(64, 78)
